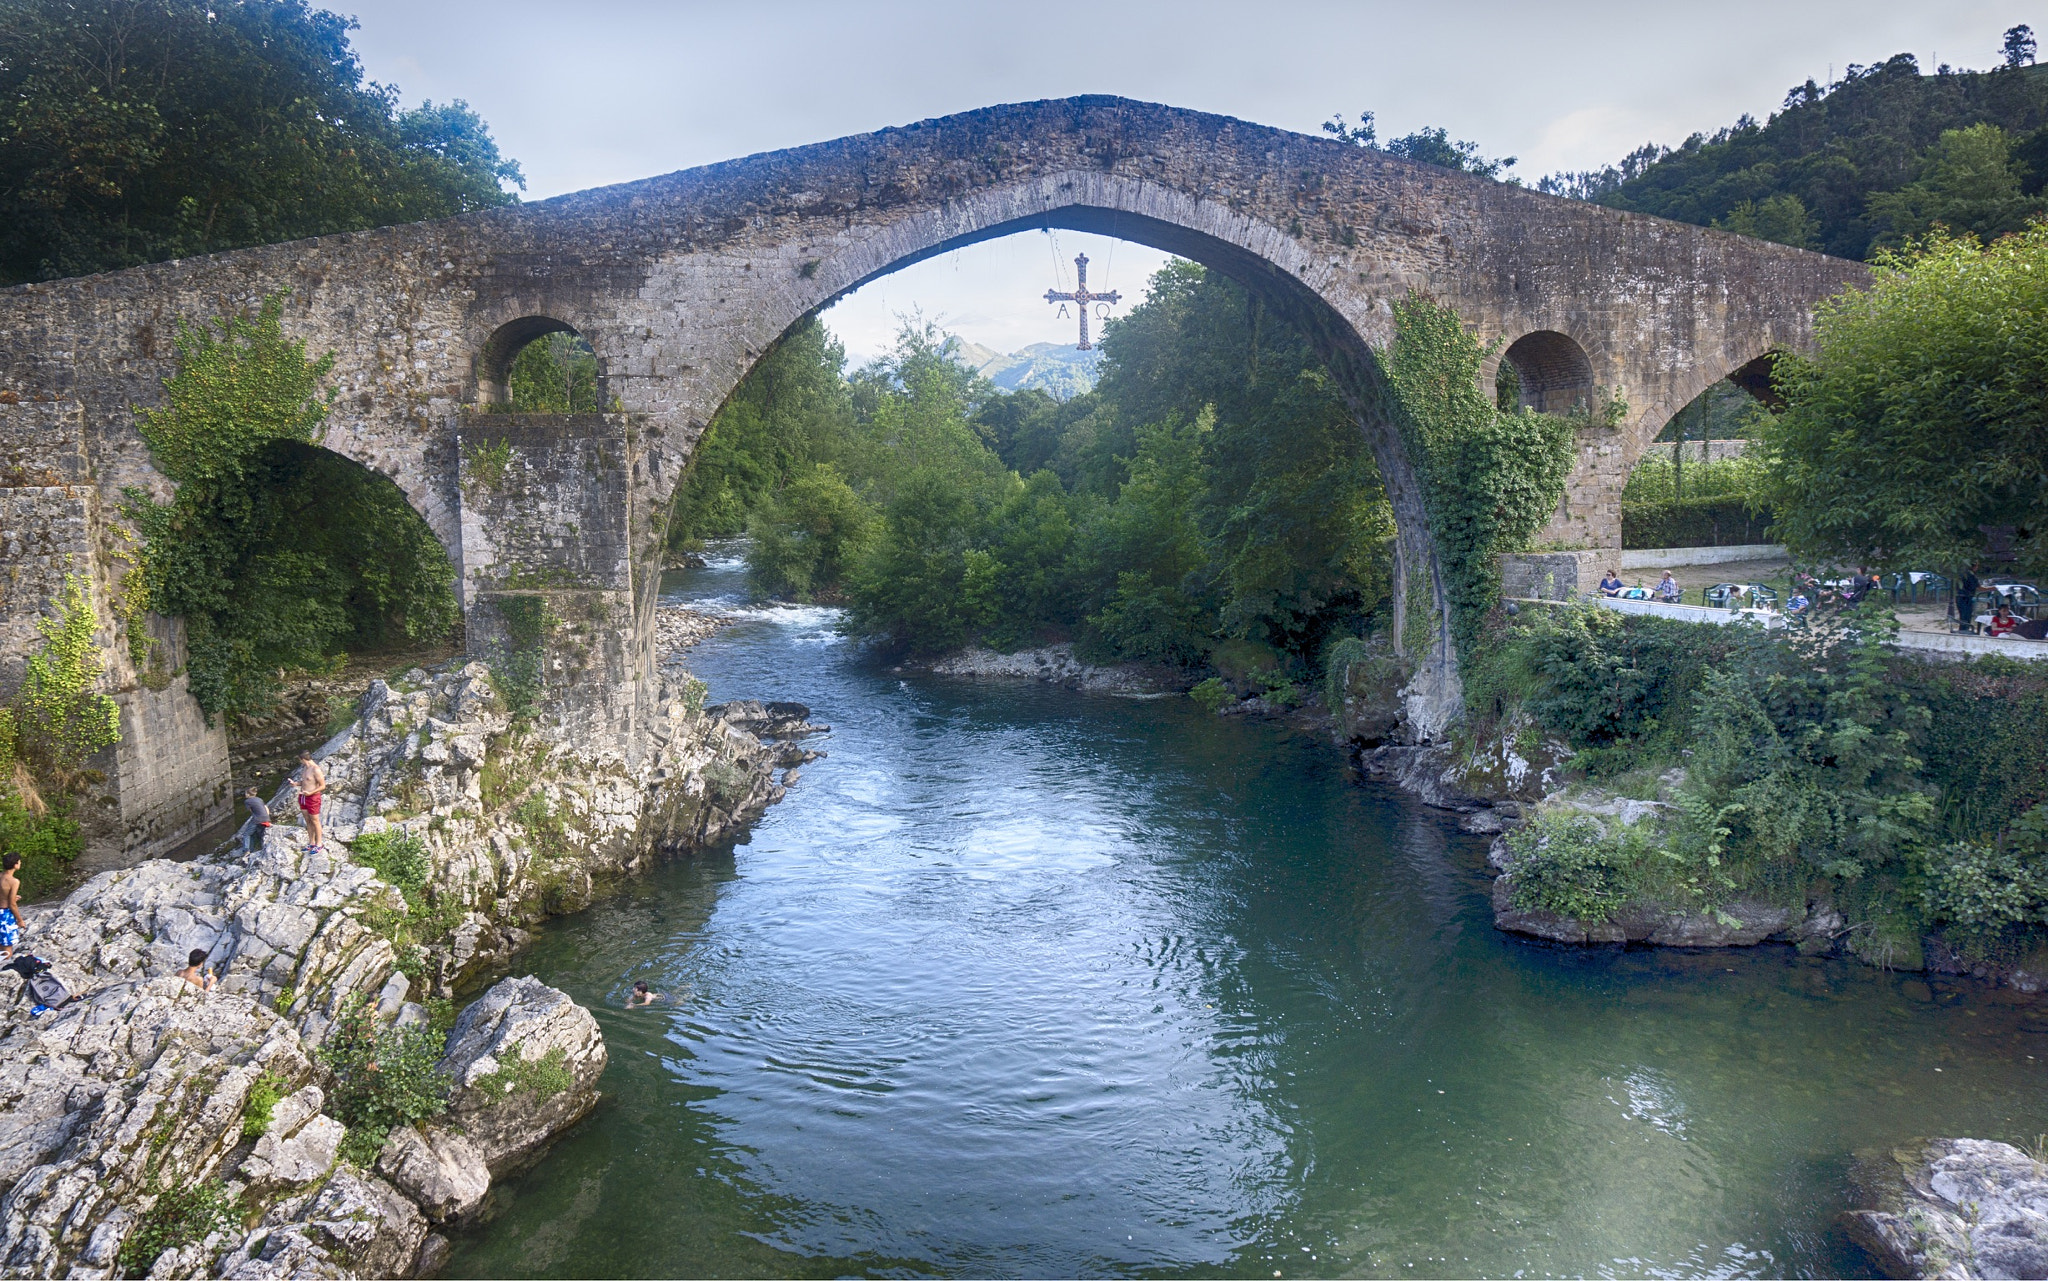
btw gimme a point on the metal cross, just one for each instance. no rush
(1081, 297)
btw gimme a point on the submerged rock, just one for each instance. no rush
(1953, 1208)
(1056, 663)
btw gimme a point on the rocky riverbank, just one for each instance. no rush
(132, 1119)
(1953, 1208)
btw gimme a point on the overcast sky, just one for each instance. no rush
(592, 93)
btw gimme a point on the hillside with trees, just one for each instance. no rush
(1869, 162)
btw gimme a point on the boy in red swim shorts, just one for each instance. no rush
(311, 784)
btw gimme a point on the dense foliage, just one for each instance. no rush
(1212, 494)
(554, 374)
(57, 721)
(1921, 417)
(1815, 764)
(383, 1076)
(277, 554)
(1490, 476)
(1878, 157)
(135, 132)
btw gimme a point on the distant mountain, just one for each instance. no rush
(1060, 372)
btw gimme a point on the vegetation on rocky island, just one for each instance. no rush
(1212, 504)
(1816, 764)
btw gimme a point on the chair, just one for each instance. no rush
(2025, 598)
(1724, 596)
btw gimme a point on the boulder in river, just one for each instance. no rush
(1953, 1208)
(525, 1060)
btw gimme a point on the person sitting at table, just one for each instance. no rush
(1798, 605)
(1859, 584)
(1611, 585)
(1668, 589)
(2003, 622)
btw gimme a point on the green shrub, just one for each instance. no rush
(47, 842)
(1706, 521)
(545, 1076)
(382, 1077)
(264, 1092)
(180, 1217)
(1211, 694)
(399, 857)
(1570, 866)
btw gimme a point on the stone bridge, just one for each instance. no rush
(681, 282)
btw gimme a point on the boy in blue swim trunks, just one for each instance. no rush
(10, 903)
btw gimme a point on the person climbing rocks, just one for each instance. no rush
(310, 781)
(197, 972)
(642, 995)
(260, 829)
(10, 905)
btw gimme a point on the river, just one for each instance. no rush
(1020, 981)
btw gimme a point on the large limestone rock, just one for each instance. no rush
(443, 1172)
(525, 1060)
(300, 1145)
(1954, 1208)
(99, 1101)
(353, 1225)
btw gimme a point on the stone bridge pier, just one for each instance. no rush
(680, 284)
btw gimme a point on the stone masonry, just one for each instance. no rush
(681, 282)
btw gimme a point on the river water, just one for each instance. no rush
(1020, 981)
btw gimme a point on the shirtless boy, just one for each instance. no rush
(311, 782)
(10, 906)
(196, 972)
(641, 995)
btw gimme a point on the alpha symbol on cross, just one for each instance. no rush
(1080, 297)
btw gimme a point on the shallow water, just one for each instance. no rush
(1021, 981)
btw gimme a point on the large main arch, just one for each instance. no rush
(680, 283)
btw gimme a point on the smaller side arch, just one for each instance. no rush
(494, 361)
(1552, 372)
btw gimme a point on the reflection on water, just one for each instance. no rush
(1019, 981)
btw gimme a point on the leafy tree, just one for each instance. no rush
(809, 536)
(1919, 416)
(1782, 218)
(1429, 145)
(794, 409)
(137, 130)
(2019, 46)
(554, 374)
(1150, 547)
(276, 554)
(1967, 183)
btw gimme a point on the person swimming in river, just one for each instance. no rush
(642, 995)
